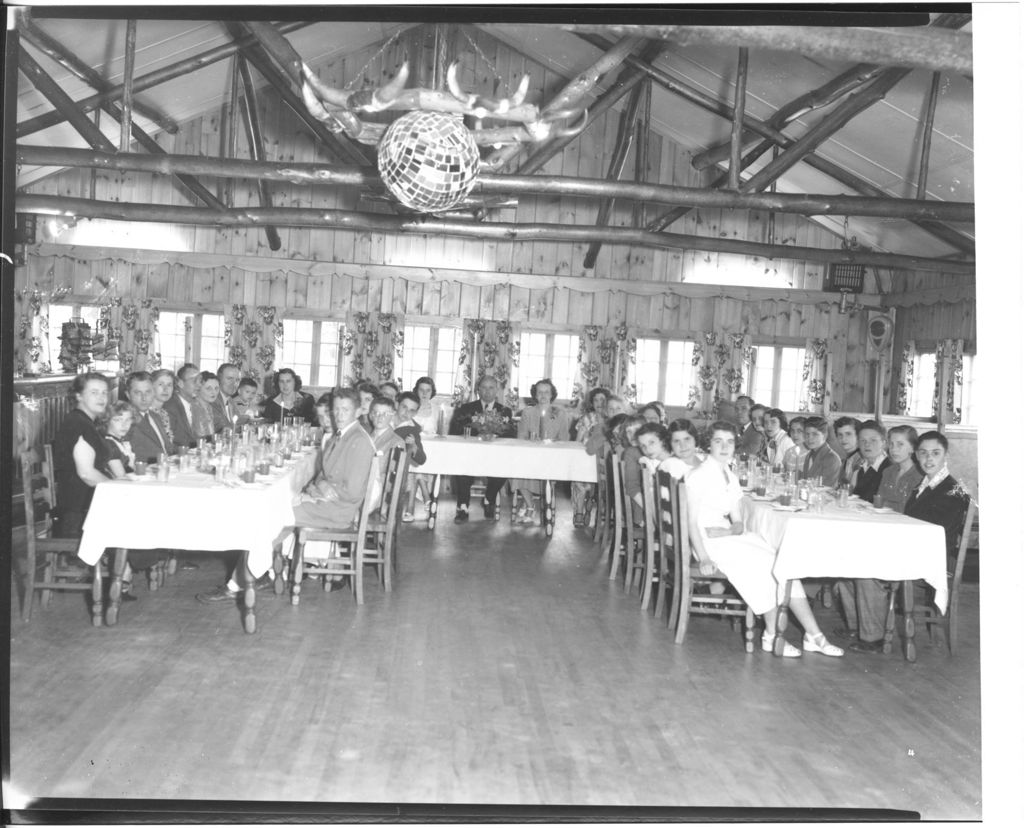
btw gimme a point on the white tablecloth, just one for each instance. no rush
(855, 542)
(192, 511)
(506, 457)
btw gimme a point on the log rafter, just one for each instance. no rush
(498, 231)
(493, 184)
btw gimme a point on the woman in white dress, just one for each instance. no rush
(426, 419)
(719, 541)
(686, 455)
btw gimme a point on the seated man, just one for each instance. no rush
(867, 474)
(333, 497)
(487, 393)
(820, 460)
(939, 499)
(147, 437)
(846, 437)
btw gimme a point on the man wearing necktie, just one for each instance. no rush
(228, 375)
(146, 435)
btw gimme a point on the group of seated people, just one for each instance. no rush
(164, 412)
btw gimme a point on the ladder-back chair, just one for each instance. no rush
(382, 528)
(621, 541)
(602, 520)
(645, 565)
(670, 580)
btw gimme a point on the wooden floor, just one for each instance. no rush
(503, 669)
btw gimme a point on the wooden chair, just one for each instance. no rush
(602, 520)
(59, 564)
(925, 609)
(670, 580)
(727, 604)
(645, 567)
(621, 542)
(347, 549)
(379, 549)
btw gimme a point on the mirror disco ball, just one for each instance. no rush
(428, 160)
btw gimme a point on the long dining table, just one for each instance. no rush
(856, 541)
(194, 511)
(509, 458)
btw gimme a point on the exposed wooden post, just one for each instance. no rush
(826, 127)
(912, 47)
(926, 137)
(491, 184)
(256, 150)
(228, 131)
(573, 92)
(147, 81)
(824, 95)
(126, 96)
(643, 144)
(735, 146)
(499, 231)
(56, 51)
(623, 140)
(277, 46)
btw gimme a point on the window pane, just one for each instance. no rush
(564, 350)
(449, 343)
(969, 389)
(790, 381)
(415, 361)
(531, 360)
(677, 372)
(924, 386)
(764, 374)
(297, 348)
(648, 369)
(212, 352)
(330, 337)
(175, 330)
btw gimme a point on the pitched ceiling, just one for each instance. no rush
(881, 145)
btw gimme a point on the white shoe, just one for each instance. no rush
(788, 650)
(408, 517)
(820, 644)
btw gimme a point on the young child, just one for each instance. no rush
(246, 405)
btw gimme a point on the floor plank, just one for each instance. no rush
(502, 669)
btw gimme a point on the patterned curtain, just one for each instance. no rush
(816, 389)
(371, 344)
(607, 359)
(949, 380)
(721, 363)
(253, 336)
(489, 347)
(32, 345)
(137, 322)
(905, 383)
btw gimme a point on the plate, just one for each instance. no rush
(143, 479)
(884, 510)
(763, 498)
(778, 507)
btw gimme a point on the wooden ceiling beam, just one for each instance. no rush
(353, 221)
(913, 47)
(739, 104)
(254, 134)
(493, 184)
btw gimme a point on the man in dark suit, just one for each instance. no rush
(228, 375)
(867, 474)
(179, 406)
(487, 393)
(751, 440)
(940, 500)
(146, 436)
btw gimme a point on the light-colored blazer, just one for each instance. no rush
(556, 423)
(340, 482)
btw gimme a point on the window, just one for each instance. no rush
(175, 339)
(661, 366)
(59, 314)
(211, 352)
(921, 400)
(777, 378)
(311, 349)
(191, 337)
(430, 352)
(548, 355)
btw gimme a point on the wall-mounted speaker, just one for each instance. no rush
(879, 335)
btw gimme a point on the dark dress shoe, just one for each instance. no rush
(577, 520)
(218, 595)
(187, 566)
(127, 598)
(461, 515)
(844, 632)
(488, 510)
(859, 646)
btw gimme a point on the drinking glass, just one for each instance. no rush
(844, 496)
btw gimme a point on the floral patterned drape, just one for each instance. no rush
(254, 336)
(816, 388)
(32, 345)
(949, 380)
(721, 364)
(489, 347)
(905, 384)
(607, 358)
(136, 321)
(372, 342)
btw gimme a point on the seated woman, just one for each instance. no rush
(543, 421)
(683, 442)
(409, 430)
(390, 390)
(820, 460)
(323, 417)
(793, 460)
(163, 390)
(290, 399)
(598, 437)
(367, 394)
(202, 407)
(719, 542)
(590, 421)
(426, 417)
(937, 499)
(653, 412)
(777, 440)
(629, 453)
(901, 477)
(654, 442)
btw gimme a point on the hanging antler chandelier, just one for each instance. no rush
(428, 158)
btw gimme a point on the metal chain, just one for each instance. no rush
(373, 57)
(472, 43)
